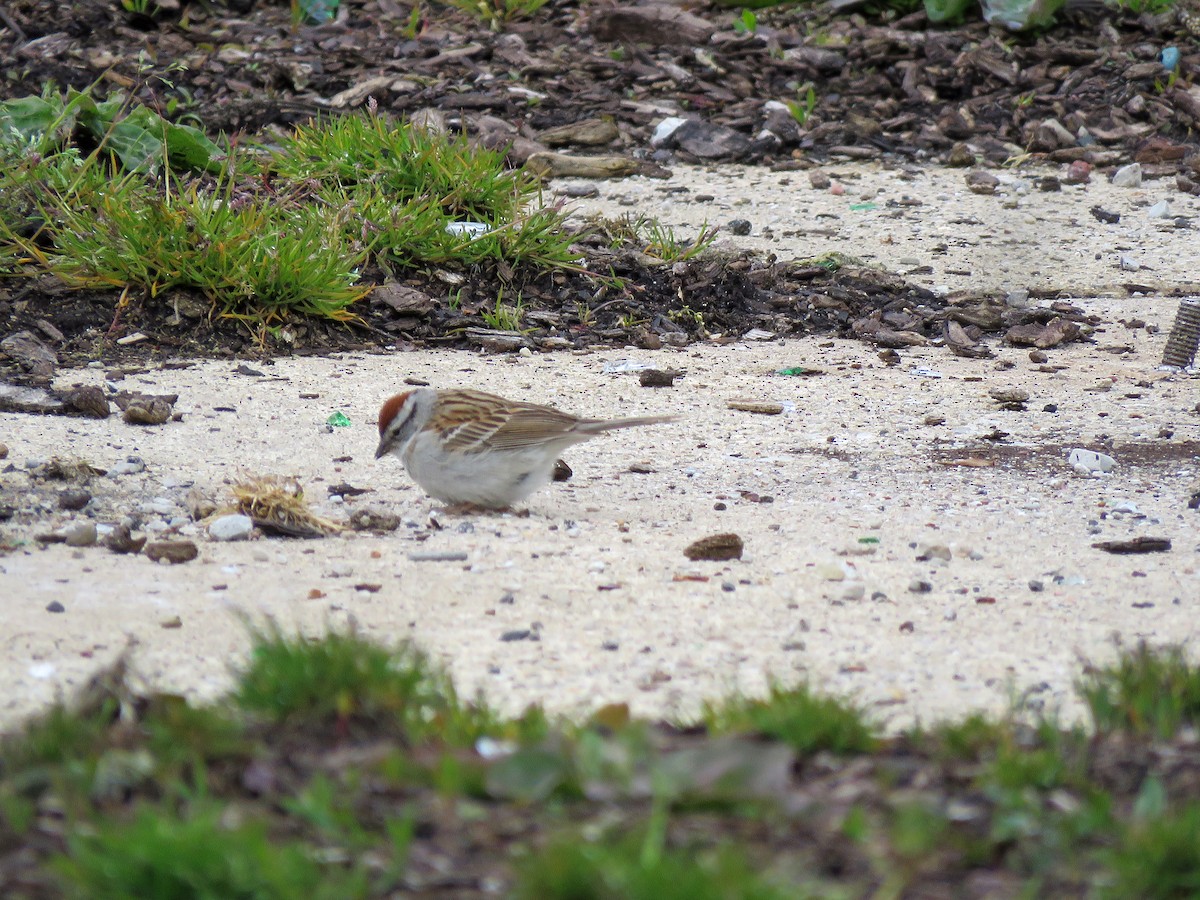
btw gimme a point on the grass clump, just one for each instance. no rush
(638, 867)
(1146, 692)
(651, 237)
(1158, 858)
(255, 259)
(195, 856)
(344, 679)
(806, 721)
(414, 188)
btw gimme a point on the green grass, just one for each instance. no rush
(192, 855)
(1158, 857)
(807, 721)
(1146, 692)
(340, 767)
(157, 207)
(341, 679)
(652, 238)
(637, 867)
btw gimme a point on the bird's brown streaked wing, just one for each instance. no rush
(528, 425)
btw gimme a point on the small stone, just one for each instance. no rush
(3, 451)
(80, 534)
(235, 527)
(1036, 585)
(933, 551)
(119, 540)
(562, 472)
(90, 401)
(907, 627)
(438, 556)
(919, 586)
(1009, 395)
(932, 420)
(1079, 172)
(1129, 176)
(131, 465)
(1038, 356)
(55, 607)
(73, 499)
(370, 519)
(657, 377)
(763, 408)
(715, 547)
(979, 182)
(174, 552)
(148, 411)
(1160, 210)
(819, 180)
(739, 227)
(172, 622)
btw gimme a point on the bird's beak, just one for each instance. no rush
(382, 449)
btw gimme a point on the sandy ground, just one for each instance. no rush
(830, 585)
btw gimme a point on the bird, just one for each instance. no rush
(472, 449)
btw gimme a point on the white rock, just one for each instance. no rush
(230, 528)
(664, 129)
(1085, 462)
(80, 534)
(1129, 176)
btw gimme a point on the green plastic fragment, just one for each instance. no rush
(868, 540)
(338, 420)
(858, 207)
(795, 370)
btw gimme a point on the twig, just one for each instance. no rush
(12, 25)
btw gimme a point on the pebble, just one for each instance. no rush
(1087, 462)
(231, 528)
(1129, 176)
(739, 227)
(933, 551)
(1036, 585)
(3, 451)
(437, 556)
(55, 607)
(715, 547)
(1160, 210)
(73, 499)
(919, 586)
(174, 552)
(853, 590)
(764, 408)
(80, 534)
(131, 465)
(1038, 356)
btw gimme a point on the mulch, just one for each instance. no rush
(885, 86)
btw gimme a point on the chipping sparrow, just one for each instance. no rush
(468, 447)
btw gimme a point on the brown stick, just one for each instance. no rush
(12, 25)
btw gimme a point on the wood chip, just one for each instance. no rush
(764, 408)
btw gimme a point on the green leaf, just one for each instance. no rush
(945, 10)
(528, 775)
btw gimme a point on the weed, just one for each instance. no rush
(802, 107)
(504, 316)
(342, 678)
(1145, 692)
(197, 855)
(808, 722)
(498, 12)
(746, 23)
(638, 867)
(1158, 857)
(663, 243)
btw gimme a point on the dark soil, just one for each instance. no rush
(884, 86)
